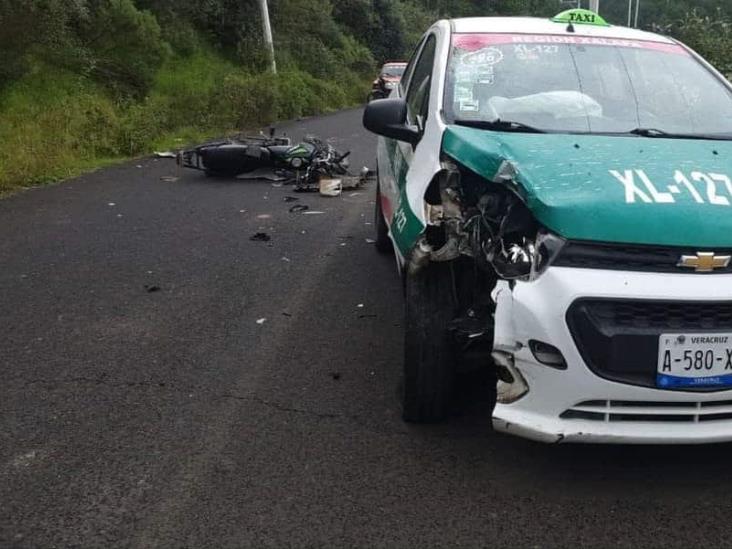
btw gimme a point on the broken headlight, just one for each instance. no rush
(547, 247)
(528, 259)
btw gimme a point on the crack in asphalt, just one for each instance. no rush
(191, 392)
(283, 408)
(198, 392)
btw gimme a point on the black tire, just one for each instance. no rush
(429, 364)
(383, 242)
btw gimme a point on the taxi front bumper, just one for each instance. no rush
(577, 404)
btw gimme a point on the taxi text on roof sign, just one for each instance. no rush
(580, 17)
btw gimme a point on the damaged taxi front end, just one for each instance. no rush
(587, 254)
(588, 251)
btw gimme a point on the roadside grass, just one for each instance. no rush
(55, 125)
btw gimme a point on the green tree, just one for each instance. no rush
(125, 45)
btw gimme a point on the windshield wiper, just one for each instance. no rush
(654, 132)
(499, 125)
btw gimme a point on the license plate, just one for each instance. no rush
(694, 360)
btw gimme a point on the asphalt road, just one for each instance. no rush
(171, 418)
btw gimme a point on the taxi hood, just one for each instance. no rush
(635, 190)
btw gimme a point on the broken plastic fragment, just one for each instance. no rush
(313, 212)
(330, 187)
(299, 208)
(260, 237)
(261, 321)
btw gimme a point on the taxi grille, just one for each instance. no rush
(618, 339)
(630, 257)
(650, 411)
(663, 314)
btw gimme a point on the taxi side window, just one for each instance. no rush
(404, 82)
(418, 93)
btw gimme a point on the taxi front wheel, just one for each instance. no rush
(429, 364)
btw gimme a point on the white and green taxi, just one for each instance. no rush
(558, 195)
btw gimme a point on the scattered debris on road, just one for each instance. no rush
(165, 154)
(264, 216)
(312, 212)
(299, 208)
(169, 178)
(330, 187)
(260, 237)
(261, 321)
(151, 288)
(290, 199)
(335, 375)
(370, 241)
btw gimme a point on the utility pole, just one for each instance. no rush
(630, 12)
(267, 31)
(595, 6)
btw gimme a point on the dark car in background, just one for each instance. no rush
(389, 76)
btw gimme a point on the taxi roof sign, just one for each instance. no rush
(580, 17)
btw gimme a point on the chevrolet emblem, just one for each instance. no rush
(704, 262)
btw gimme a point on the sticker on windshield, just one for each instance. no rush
(525, 52)
(484, 57)
(701, 187)
(469, 106)
(477, 67)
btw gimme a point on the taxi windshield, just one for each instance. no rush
(579, 84)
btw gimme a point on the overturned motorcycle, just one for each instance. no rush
(305, 165)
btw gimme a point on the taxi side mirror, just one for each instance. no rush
(388, 117)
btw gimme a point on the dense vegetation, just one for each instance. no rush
(82, 81)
